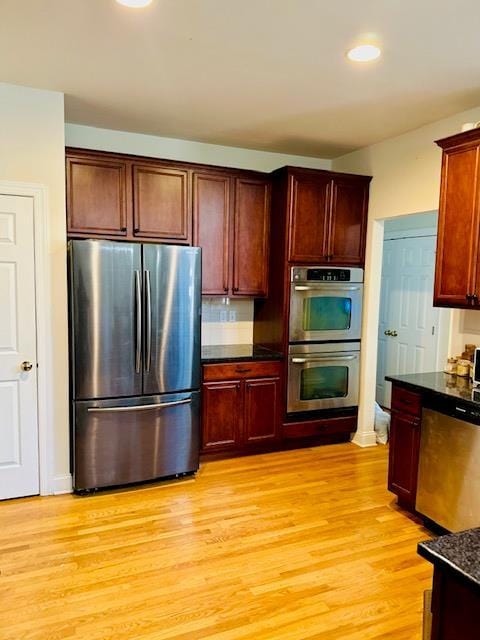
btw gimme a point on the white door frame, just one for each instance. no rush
(39, 195)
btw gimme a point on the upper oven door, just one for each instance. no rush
(325, 311)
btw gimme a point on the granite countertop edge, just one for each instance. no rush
(444, 560)
(438, 383)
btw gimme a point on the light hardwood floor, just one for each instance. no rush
(284, 546)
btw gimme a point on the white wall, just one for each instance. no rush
(406, 179)
(32, 151)
(184, 150)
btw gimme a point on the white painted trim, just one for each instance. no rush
(365, 438)
(43, 302)
(62, 484)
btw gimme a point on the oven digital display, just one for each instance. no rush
(329, 275)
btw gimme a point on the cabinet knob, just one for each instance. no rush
(136, 230)
(123, 229)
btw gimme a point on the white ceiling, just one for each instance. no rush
(264, 74)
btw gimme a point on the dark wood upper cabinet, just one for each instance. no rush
(457, 272)
(96, 196)
(348, 221)
(211, 215)
(160, 203)
(262, 400)
(309, 213)
(327, 216)
(251, 237)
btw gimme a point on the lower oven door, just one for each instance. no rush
(326, 378)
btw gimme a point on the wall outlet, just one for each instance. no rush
(223, 315)
(232, 317)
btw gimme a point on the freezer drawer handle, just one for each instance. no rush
(139, 407)
(319, 358)
(148, 321)
(138, 321)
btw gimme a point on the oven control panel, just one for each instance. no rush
(329, 275)
(326, 274)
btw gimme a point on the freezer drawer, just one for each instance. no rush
(127, 440)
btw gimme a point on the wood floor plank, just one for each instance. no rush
(295, 545)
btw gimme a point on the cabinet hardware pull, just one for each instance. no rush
(123, 229)
(136, 230)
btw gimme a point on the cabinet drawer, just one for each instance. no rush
(406, 401)
(327, 426)
(240, 370)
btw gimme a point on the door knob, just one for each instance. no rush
(26, 366)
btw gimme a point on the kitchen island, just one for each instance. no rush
(456, 585)
(434, 440)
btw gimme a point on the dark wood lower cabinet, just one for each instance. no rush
(221, 417)
(404, 447)
(262, 398)
(455, 605)
(241, 413)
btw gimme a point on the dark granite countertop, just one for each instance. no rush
(439, 383)
(237, 353)
(458, 552)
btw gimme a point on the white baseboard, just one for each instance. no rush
(62, 484)
(365, 439)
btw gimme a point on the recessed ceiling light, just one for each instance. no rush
(137, 4)
(364, 53)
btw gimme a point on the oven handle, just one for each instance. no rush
(319, 358)
(328, 287)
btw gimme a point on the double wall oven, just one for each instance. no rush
(324, 338)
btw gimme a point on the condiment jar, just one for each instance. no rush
(463, 368)
(451, 367)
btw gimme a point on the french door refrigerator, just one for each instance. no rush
(135, 361)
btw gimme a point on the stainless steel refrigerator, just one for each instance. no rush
(135, 361)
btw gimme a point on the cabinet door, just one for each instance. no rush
(262, 398)
(309, 213)
(96, 196)
(221, 415)
(403, 458)
(457, 243)
(160, 203)
(251, 233)
(211, 214)
(348, 222)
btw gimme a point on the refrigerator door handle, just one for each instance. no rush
(139, 407)
(148, 321)
(138, 321)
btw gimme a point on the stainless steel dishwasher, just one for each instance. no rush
(448, 491)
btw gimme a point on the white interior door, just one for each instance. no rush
(19, 473)
(408, 327)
